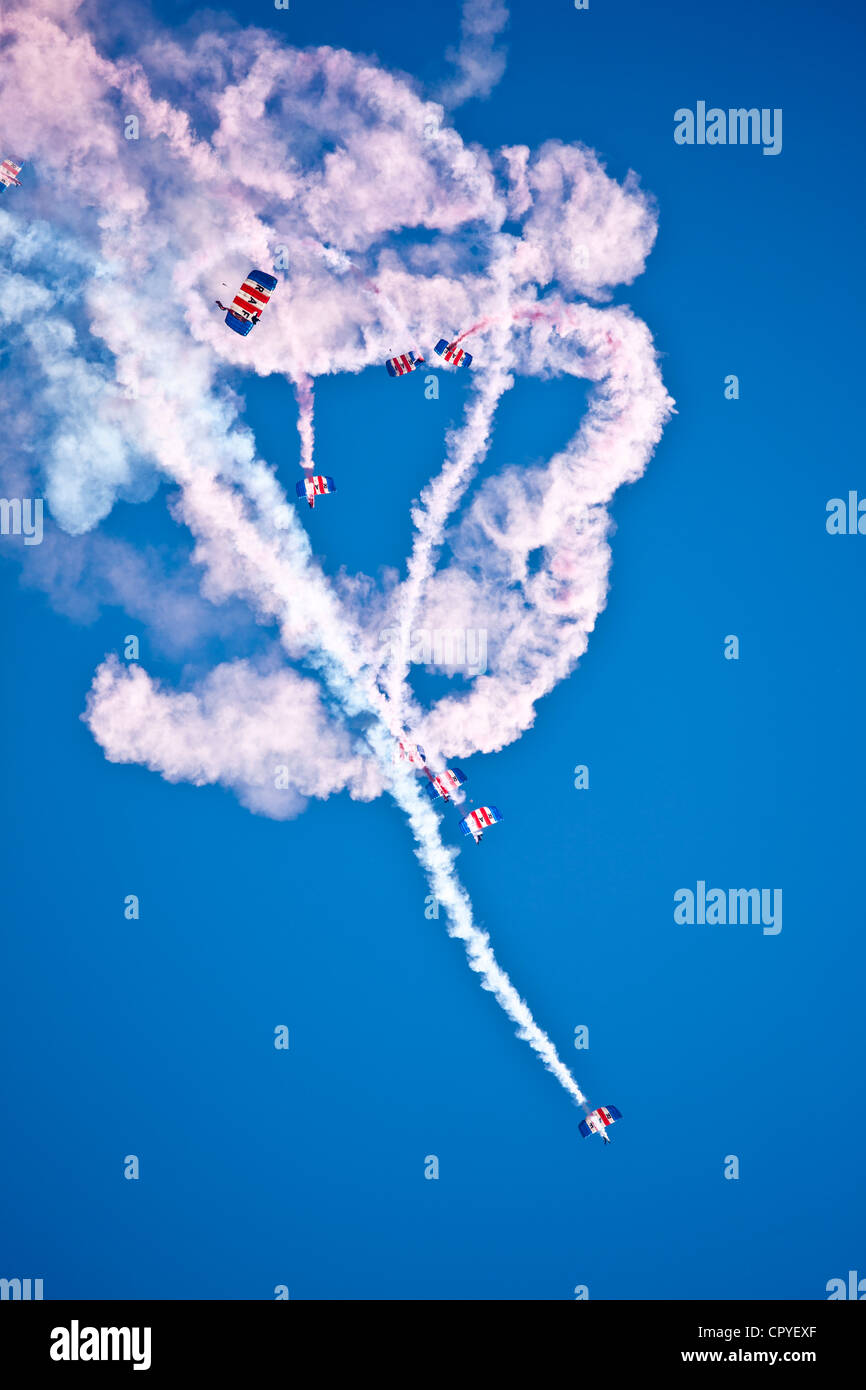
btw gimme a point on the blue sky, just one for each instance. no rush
(306, 1168)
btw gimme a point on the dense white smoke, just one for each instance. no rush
(156, 180)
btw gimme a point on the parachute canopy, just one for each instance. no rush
(446, 783)
(9, 172)
(250, 300)
(598, 1120)
(478, 820)
(453, 354)
(406, 362)
(412, 753)
(315, 486)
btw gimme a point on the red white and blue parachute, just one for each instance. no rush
(479, 820)
(406, 362)
(246, 308)
(597, 1121)
(453, 354)
(445, 784)
(315, 486)
(9, 172)
(412, 753)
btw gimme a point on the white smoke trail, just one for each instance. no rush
(447, 889)
(304, 398)
(216, 517)
(466, 449)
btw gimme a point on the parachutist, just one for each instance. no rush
(9, 172)
(404, 363)
(245, 309)
(315, 486)
(445, 786)
(596, 1121)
